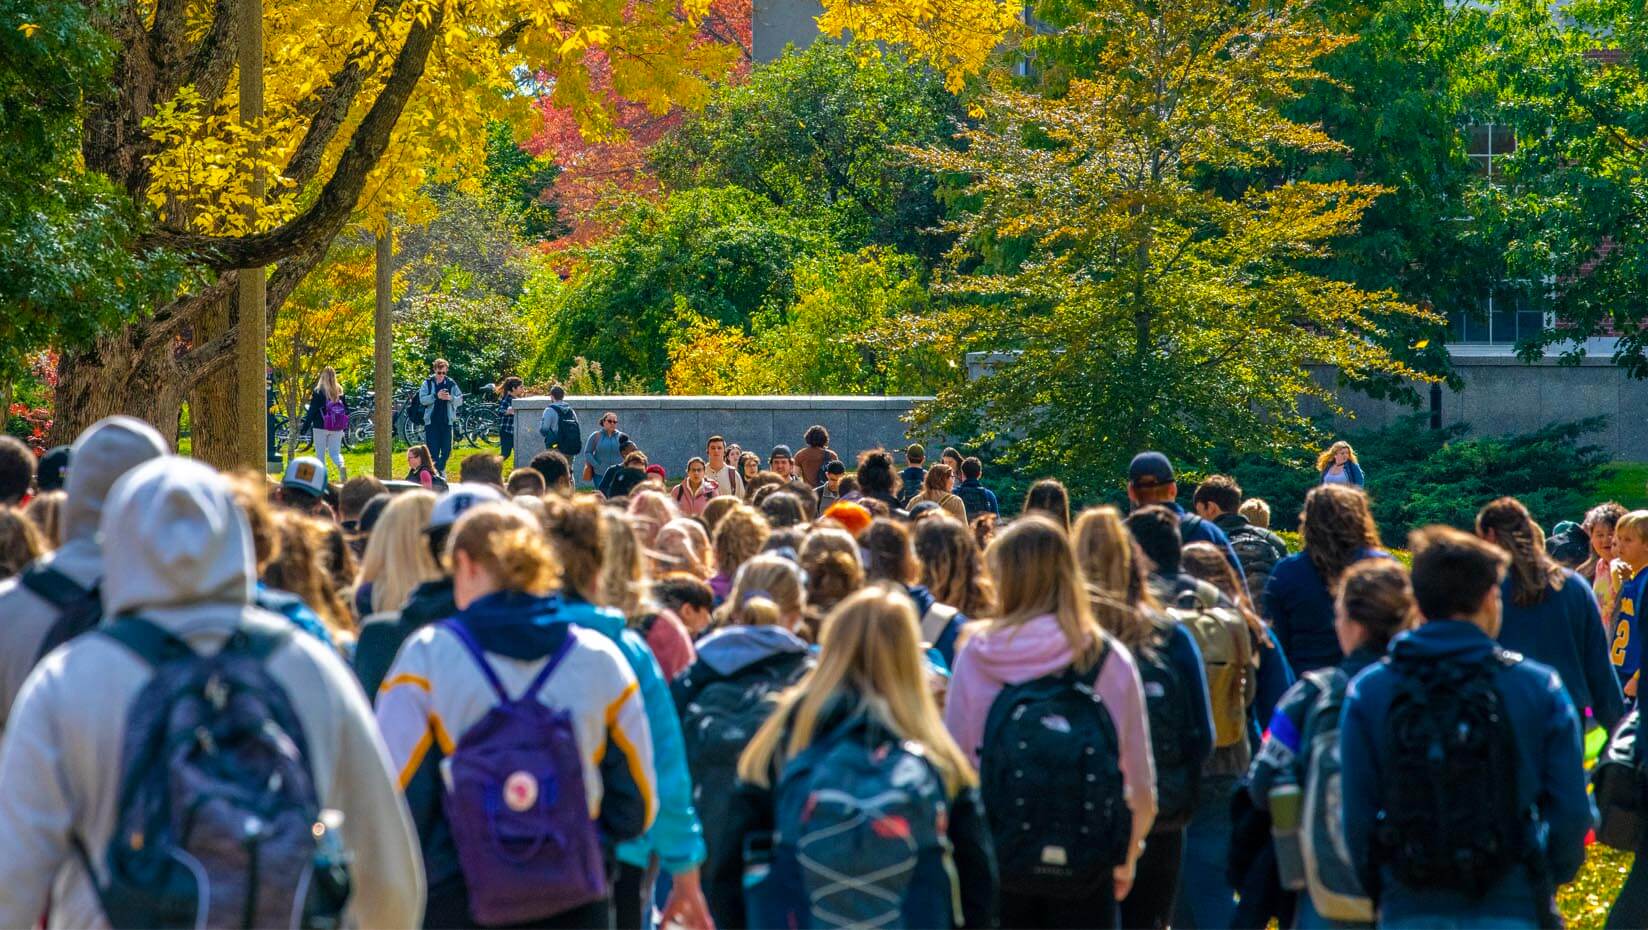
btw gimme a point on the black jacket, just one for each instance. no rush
(752, 813)
(315, 418)
(380, 640)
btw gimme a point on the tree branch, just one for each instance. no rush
(171, 319)
(338, 98)
(338, 198)
(214, 58)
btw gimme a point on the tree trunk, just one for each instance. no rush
(212, 420)
(115, 376)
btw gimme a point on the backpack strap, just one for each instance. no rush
(147, 640)
(936, 620)
(456, 628)
(54, 587)
(1188, 523)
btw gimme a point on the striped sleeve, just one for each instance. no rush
(406, 717)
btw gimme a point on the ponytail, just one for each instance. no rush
(1534, 574)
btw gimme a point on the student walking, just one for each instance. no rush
(1550, 614)
(510, 701)
(866, 809)
(1338, 531)
(1463, 782)
(694, 493)
(1043, 652)
(1338, 465)
(190, 665)
(327, 419)
(441, 399)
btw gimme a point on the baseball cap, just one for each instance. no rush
(305, 473)
(780, 451)
(53, 469)
(1150, 470)
(459, 498)
(656, 470)
(1569, 543)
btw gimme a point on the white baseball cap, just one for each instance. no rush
(306, 473)
(458, 499)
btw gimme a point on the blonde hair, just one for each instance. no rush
(1036, 575)
(829, 556)
(1256, 511)
(397, 557)
(650, 511)
(686, 546)
(1116, 578)
(871, 653)
(575, 529)
(1325, 460)
(623, 573)
(300, 567)
(506, 542)
(46, 511)
(738, 537)
(766, 592)
(328, 383)
(20, 541)
(1635, 522)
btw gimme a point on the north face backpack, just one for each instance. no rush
(1621, 788)
(334, 416)
(861, 840)
(719, 716)
(1442, 823)
(1169, 702)
(1330, 874)
(1050, 775)
(516, 804)
(1227, 652)
(78, 609)
(218, 822)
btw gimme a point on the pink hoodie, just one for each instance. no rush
(993, 659)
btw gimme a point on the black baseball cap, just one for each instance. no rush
(53, 469)
(781, 452)
(1150, 470)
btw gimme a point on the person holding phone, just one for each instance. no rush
(441, 397)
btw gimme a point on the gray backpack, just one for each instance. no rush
(218, 822)
(1330, 875)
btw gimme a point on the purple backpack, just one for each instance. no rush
(334, 416)
(515, 802)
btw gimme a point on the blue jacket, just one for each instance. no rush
(945, 645)
(1353, 471)
(977, 498)
(1275, 679)
(1626, 650)
(1199, 530)
(1550, 775)
(1565, 632)
(1300, 609)
(676, 835)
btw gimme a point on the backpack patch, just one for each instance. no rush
(219, 822)
(1050, 774)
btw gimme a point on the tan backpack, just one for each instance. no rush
(1227, 654)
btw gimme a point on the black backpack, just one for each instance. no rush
(569, 436)
(1051, 780)
(719, 716)
(974, 499)
(414, 405)
(1168, 702)
(1622, 788)
(1259, 554)
(78, 609)
(1442, 824)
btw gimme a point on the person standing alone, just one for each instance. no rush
(441, 398)
(328, 419)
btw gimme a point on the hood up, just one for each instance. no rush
(105, 451)
(174, 538)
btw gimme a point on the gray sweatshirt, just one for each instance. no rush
(105, 451)
(183, 560)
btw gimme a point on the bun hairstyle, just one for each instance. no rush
(876, 474)
(768, 591)
(509, 545)
(578, 537)
(1377, 595)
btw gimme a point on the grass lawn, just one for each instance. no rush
(1626, 482)
(360, 463)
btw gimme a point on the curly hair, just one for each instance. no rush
(1338, 529)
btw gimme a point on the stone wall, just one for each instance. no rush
(672, 430)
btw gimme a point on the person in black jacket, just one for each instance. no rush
(870, 684)
(327, 419)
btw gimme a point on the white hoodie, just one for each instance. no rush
(180, 553)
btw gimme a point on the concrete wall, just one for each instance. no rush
(672, 430)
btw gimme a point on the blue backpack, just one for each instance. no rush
(218, 822)
(516, 804)
(862, 840)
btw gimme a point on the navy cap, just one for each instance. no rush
(781, 451)
(1150, 470)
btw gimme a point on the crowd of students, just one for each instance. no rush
(813, 698)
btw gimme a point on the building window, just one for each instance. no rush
(1486, 144)
(1505, 318)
